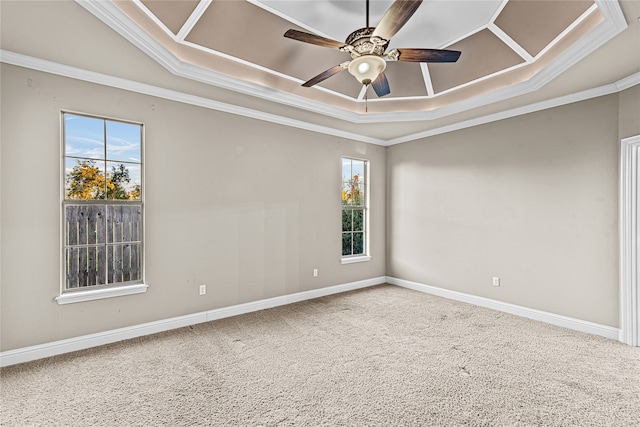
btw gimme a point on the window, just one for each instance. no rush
(354, 210)
(102, 203)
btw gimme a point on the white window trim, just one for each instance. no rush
(352, 259)
(69, 297)
(94, 294)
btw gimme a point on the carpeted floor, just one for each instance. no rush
(381, 356)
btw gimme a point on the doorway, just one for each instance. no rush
(629, 238)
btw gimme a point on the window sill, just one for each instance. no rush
(354, 259)
(72, 297)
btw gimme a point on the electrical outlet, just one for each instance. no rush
(203, 289)
(496, 281)
(315, 272)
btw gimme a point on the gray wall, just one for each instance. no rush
(250, 208)
(531, 199)
(629, 110)
(247, 207)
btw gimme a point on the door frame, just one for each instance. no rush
(629, 250)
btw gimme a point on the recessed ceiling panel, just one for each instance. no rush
(535, 24)
(239, 29)
(483, 54)
(405, 79)
(173, 13)
(249, 33)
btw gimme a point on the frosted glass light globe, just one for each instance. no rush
(363, 67)
(367, 68)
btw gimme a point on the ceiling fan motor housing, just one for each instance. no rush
(364, 44)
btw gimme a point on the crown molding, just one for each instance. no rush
(46, 66)
(514, 112)
(17, 59)
(628, 82)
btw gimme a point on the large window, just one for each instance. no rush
(354, 208)
(102, 203)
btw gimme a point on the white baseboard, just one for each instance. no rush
(530, 313)
(40, 351)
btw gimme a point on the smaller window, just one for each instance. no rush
(354, 207)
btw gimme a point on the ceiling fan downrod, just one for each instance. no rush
(367, 26)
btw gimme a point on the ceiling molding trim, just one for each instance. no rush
(513, 45)
(592, 9)
(604, 32)
(426, 76)
(114, 18)
(531, 108)
(628, 82)
(120, 83)
(612, 12)
(191, 21)
(151, 16)
(111, 15)
(37, 64)
(499, 11)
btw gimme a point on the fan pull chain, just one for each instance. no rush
(366, 107)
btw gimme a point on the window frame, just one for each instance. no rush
(355, 258)
(106, 290)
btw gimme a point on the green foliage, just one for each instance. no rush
(358, 220)
(347, 220)
(358, 243)
(352, 231)
(116, 180)
(347, 240)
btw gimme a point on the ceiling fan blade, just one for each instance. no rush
(313, 39)
(428, 55)
(381, 85)
(395, 18)
(325, 75)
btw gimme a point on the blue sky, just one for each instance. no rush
(352, 167)
(85, 138)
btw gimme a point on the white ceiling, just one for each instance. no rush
(436, 24)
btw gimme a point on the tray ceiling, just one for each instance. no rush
(508, 48)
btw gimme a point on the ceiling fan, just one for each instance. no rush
(368, 45)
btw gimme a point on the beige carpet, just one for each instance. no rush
(382, 356)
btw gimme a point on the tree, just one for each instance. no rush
(351, 194)
(116, 181)
(87, 182)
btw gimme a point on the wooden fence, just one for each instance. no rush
(103, 244)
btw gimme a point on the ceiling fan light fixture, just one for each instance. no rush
(367, 68)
